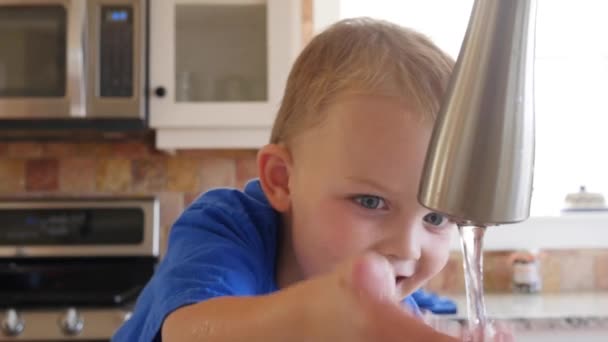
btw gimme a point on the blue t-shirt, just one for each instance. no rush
(224, 244)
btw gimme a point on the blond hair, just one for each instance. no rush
(361, 55)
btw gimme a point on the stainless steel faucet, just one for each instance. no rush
(480, 160)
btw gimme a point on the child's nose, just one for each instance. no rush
(405, 244)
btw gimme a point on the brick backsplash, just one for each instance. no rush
(120, 168)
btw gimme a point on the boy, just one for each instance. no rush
(330, 242)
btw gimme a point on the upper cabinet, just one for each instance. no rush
(218, 69)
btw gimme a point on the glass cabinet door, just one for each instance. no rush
(221, 52)
(32, 51)
(220, 63)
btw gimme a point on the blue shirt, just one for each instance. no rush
(224, 244)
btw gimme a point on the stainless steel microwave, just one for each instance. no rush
(66, 61)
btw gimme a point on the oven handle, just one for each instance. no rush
(77, 17)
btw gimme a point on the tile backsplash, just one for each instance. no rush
(120, 168)
(560, 270)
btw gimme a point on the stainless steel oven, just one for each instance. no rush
(65, 60)
(72, 269)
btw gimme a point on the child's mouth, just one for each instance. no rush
(399, 280)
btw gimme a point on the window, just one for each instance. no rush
(571, 84)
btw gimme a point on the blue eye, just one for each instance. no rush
(370, 202)
(435, 219)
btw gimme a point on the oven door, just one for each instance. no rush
(42, 59)
(55, 228)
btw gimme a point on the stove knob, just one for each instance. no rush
(71, 322)
(13, 324)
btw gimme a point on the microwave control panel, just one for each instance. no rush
(116, 51)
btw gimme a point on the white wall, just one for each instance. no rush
(571, 84)
(566, 232)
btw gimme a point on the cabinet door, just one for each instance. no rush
(220, 63)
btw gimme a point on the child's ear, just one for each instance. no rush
(274, 167)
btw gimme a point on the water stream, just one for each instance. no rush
(471, 238)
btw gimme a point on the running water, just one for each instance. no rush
(471, 238)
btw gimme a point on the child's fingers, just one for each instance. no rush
(373, 276)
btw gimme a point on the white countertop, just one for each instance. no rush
(541, 306)
(563, 317)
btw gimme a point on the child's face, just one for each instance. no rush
(353, 188)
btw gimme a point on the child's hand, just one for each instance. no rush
(358, 303)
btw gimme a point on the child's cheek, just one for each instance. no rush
(436, 256)
(344, 230)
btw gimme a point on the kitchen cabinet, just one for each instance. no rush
(218, 69)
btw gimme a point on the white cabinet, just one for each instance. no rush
(218, 69)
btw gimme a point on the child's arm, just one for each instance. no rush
(355, 303)
(263, 318)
